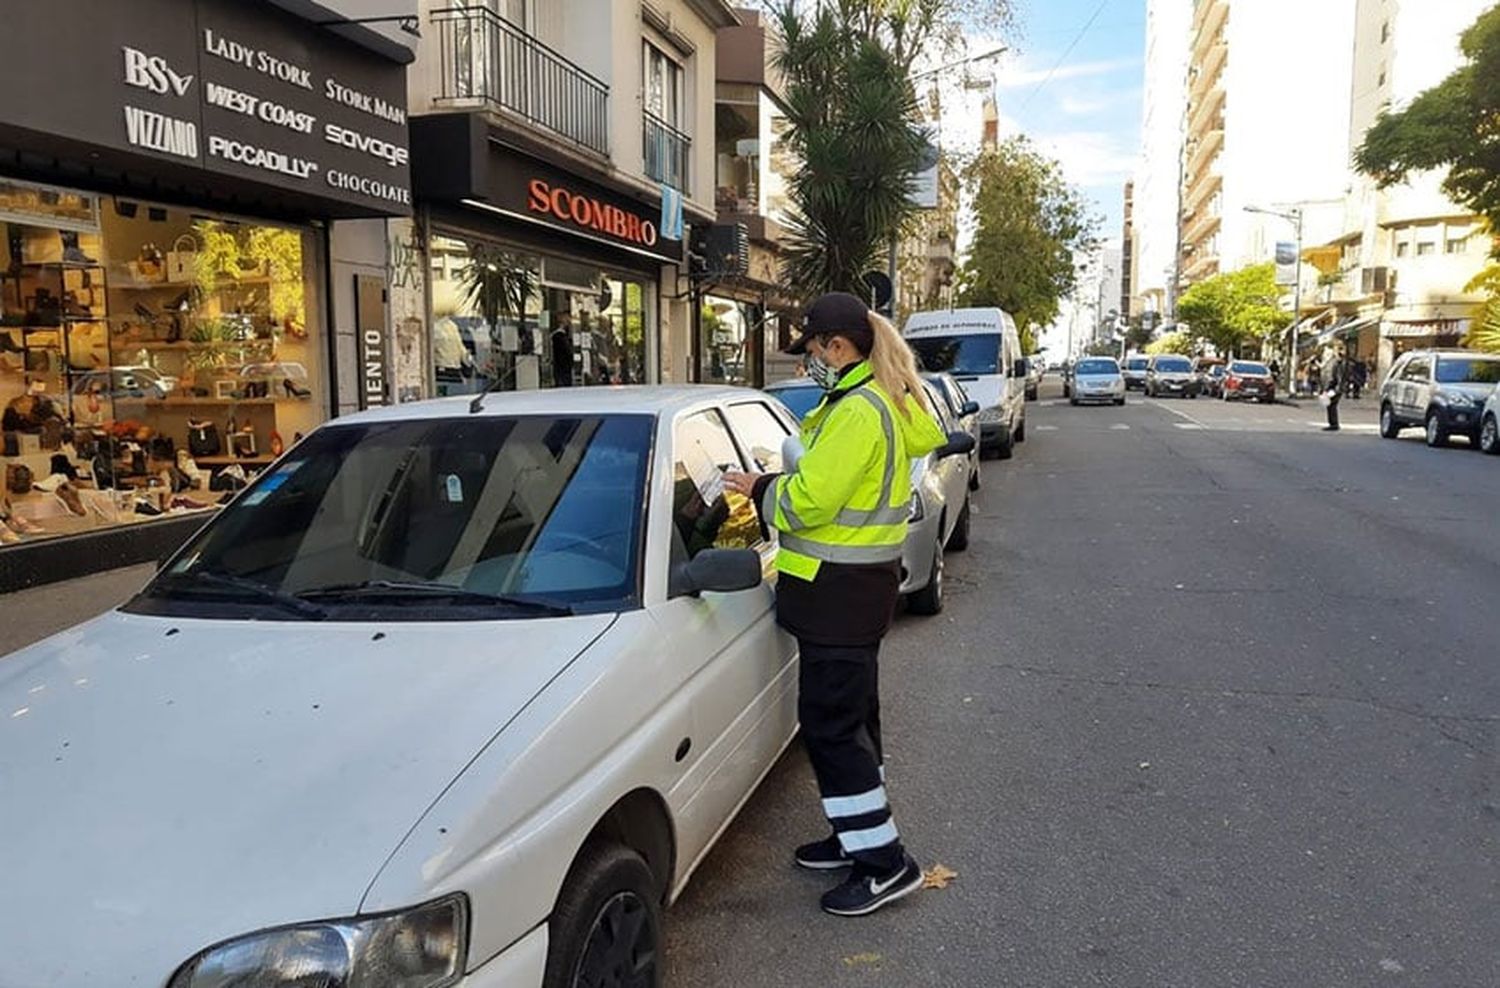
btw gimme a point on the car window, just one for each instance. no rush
(491, 506)
(1172, 365)
(940, 409)
(705, 514)
(1246, 367)
(760, 434)
(1136, 363)
(800, 399)
(1099, 365)
(1417, 370)
(976, 353)
(1468, 370)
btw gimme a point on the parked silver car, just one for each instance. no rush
(940, 511)
(1443, 391)
(1097, 379)
(1489, 424)
(965, 413)
(1171, 374)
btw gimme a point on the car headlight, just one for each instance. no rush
(989, 414)
(917, 511)
(423, 947)
(1456, 398)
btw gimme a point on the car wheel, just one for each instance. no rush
(929, 600)
(1388, 427)
(974, 480)
(1031, 394)
(606, 928)
(1006, 448)
(958, 539)
(1489, 436)
(1435, 435)
(1119, 401)
(1021, 431)
(1073, 402)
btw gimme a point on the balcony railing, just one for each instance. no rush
(488, 60)
(667, 151)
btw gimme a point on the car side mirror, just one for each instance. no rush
(958, 444)
(969, 407)
(718, 571)
(1019, 369)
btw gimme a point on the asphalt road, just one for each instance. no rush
(1214, 703)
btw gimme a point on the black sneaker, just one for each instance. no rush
(823, 855)
(862, 892)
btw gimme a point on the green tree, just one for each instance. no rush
(853, 126)
(1484, 334)
(1174, 342)
(1031, 224)
(1453, 125)
(1232, 309)
(1137, 336)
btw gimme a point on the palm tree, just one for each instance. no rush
(853, 126)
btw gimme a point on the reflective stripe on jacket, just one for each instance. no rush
(850, 496)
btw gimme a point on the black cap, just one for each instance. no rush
(836, 314)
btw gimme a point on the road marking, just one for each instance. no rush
(1182, 415)
(1189, 425)
(1120, 427)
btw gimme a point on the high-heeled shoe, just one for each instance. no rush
(294, 391)
(7, 536)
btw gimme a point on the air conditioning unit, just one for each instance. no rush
(724, 247)
(1376, 281)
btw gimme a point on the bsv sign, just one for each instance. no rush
(152, 72)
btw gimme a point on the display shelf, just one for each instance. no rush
(188, 402)
(229, 461)
(186, 345)
(151, 286)
(63, 265)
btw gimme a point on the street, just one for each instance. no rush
(1213, 703)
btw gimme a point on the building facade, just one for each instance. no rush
(562, 151)
(193, 249)
(1258, 136)
(1158, 180)
(1394, 276)
(1128, 306)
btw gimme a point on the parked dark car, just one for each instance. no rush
(1248, 379)
(1171, 374)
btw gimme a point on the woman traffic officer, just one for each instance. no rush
(841, 517)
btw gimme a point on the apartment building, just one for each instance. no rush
(1158, 178)
(1128, 306)
(1393, 278)
(1267, 127)
(561, 151)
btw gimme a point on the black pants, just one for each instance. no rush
(1333, 411)
(839, 706)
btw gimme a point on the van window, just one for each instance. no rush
(969, 353)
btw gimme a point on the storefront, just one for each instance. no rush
(540, 276)
(745, 320)
(168, 312)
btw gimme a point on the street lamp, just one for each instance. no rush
(895, 244)
(1294, 216)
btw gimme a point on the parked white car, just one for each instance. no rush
(454, 694)
(1489, 424)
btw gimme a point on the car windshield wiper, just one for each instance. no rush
(242, 586)
(366, 589)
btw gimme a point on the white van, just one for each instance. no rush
(981, 348)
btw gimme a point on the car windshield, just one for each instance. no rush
(976, 353)
(1468, 370)
(1136, 363)
(437, 518)
(801, 399)
(1174, 365)
(1098, 366)
(1246, 367)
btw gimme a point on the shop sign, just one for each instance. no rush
(238, 89)
(533, 190)
(370, 320)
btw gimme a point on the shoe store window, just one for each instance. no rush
(152, 358)
(506, 319)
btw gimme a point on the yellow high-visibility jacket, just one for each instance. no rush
(850, 496)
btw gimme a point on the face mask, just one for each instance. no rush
(821, 374)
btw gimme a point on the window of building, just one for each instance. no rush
(144, 351)
(1385, 34)
(1457, 245)
(705, 514)
(1381, 81)
(1426, 248)
(1403, 248)
(663, 86)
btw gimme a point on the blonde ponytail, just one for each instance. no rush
(895, 366)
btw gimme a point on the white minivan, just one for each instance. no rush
(981, 348)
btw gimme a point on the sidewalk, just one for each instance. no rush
(31, 615)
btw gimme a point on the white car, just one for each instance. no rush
(1097, 379)
(1489, 424)
(455, 694)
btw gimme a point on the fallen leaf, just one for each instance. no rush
(938, 877)
(863, 960)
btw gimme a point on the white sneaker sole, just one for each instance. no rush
(881, 903)
(824, 865)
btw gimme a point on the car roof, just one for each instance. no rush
(1169, 356)
(1449, 352)
(651, 399)
(792, 382)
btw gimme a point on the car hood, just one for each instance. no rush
(1098, 378)
(1479, 392)
(169, 783)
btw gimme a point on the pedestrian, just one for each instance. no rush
(841, 514)
(1314, 377)
(1358, 377)
(1338, 376)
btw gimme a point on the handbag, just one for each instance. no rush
(162, 448)
(203, 439)
(182, 259)
(18, 478)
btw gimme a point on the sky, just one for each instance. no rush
(1072, 83)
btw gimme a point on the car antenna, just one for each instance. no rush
(477, 405)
